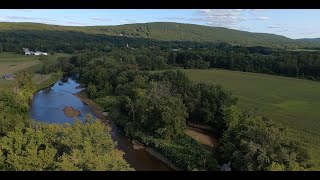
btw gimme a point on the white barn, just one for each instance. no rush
(37, 53)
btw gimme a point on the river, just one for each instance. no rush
(48, 104)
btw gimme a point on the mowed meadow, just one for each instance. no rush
(295, 103)
(12, 63)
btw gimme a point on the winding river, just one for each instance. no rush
(48, 104)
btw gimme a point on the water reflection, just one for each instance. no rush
(48, 104)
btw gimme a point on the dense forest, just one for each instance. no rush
(155, 107)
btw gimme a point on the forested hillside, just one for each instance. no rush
(165, 31)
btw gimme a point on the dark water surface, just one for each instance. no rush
(47, 106)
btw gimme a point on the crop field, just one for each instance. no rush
(295, 103)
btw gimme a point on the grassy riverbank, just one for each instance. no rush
(43, 81)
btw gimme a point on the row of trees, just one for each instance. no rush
(259, 60)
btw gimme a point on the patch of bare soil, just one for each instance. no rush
(70, 112)
(202, 136)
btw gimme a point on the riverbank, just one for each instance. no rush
(46, 81)
(94, 107)
(98, 112)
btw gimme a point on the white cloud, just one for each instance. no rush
(99, 19)
(41, 20)
(73, 23)
(221, 17)
(26, 18)
(229, 17)
(256, 11)
(23, 10)
(127, 21)
(262, 18)
(274, 27)
(282, 30)
(175, 18)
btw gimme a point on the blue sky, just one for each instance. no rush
(293, 23)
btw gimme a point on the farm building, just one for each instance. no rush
(37, 53)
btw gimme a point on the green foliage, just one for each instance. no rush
(14, 112)
(252, 143)
(108, 102)
(205, 104)
(14, 103)
(24, 85)
(28, 150)
(79, 146)
(182, 150)
(157, 112)
(197, 64)
(178, 79)
(92, 90)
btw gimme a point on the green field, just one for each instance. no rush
(293, 102)
(13, 63)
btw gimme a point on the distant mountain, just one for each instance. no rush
(309, 40)
(167, 31)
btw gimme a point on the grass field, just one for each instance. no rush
(13, 63)
(295, 103)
